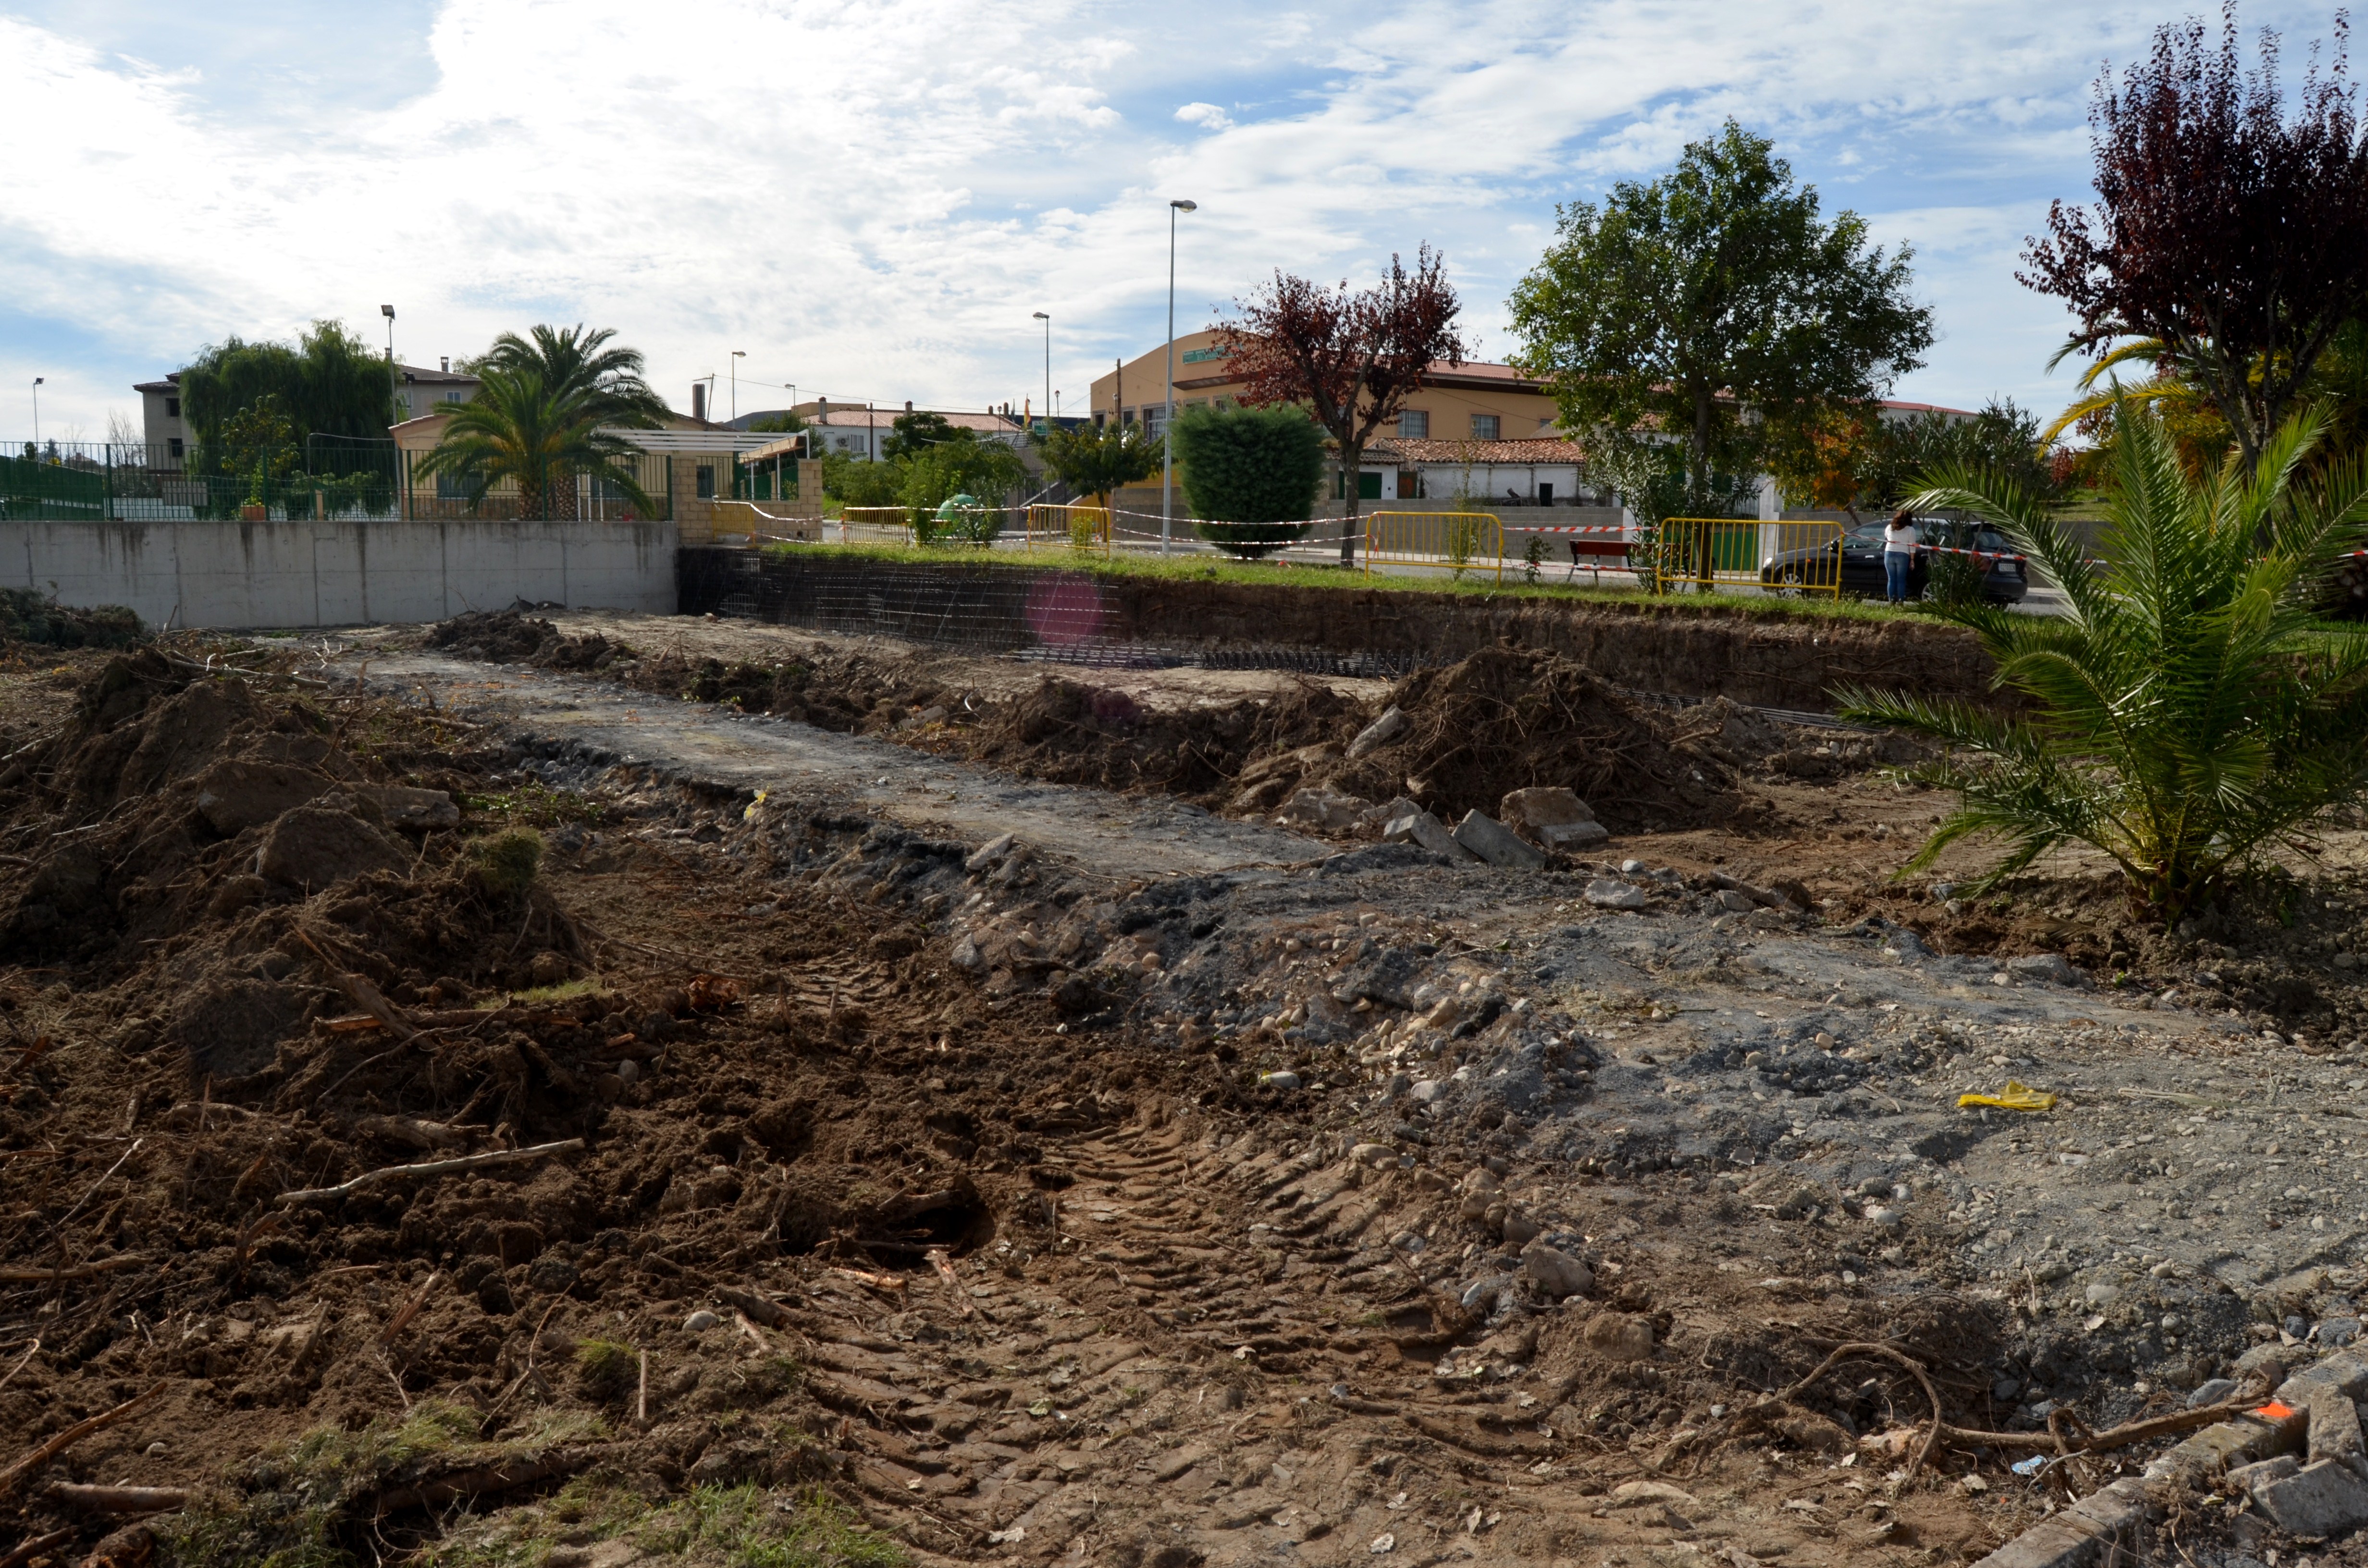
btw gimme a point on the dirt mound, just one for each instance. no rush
(1070, 733)
(27, 616)
(1508, 718)
(511, 636)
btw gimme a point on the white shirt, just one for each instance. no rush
(1899, 538)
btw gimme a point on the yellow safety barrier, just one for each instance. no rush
(895, 517)
(1705, 553)
(1055, 526)
(1462, 541)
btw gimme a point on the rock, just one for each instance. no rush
(2244, 1478)
(1740, 902)
(1886, 1218)
(547, 968)
(700, 1321)
(1616, 1337)
(1566, 836)
(1380, 733)
(2336, 1333)
(1639, 1493)
(991, 853)
(1555, 1272)
(2053, 968)
(1519, 1229)
(416, 810)
(2265, 1361)
(1534, 809)
(1429, 1091)
(1430, 833)
(2212, 1392)
(1497, 844)
(313, 847)
(1324, 809)
(2102, 1294)
(1604, 892)
(1279, 1080)
(1373, 1155)
(2324, 1499)
(1389, 811)
(235, 796)
(2335, 1429)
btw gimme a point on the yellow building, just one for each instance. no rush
(1475, 418)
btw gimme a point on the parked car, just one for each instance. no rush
(2004, 580)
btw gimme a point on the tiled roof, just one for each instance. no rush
(1541, 451)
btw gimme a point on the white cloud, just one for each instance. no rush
(872, 198)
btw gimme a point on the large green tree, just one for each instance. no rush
(1094, 460)
(548, 411)
(329, 383)
(1715, 292)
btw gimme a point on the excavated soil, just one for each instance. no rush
(837, 1193)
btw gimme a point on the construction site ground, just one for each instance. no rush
(900, 1106)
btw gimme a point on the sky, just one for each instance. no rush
(870, 198)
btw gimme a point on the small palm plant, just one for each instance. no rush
(548, 411)
(2191, 711)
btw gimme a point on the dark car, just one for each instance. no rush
(2004, 580)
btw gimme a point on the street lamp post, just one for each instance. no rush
(737, 355)
(388, 312)
(1167, 417)
(1048, 370)
(37, 414)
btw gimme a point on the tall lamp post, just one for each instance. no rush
(737, 355)
(1167, 418)
(1048, 370)
(388, 312)
(37, 414)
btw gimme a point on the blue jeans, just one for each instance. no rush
(1895, 565)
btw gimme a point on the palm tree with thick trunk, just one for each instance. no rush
(547, 411)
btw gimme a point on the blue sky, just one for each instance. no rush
(870, 197)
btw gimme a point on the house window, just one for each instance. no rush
(1484, 427)
(1413, 424)
(454, 397)
(451, 486)
(173, 446)
(172, 408)
(707, 481)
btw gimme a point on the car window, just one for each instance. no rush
(1990, 539)
(1866, 534)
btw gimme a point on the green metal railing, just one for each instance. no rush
(137, 482)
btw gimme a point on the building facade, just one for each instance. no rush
(418, 392)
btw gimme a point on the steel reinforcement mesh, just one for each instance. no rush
(1052, 617)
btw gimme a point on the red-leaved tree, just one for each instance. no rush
(1351, 360)
(2233, 237)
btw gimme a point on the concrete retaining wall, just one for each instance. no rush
(304, 572)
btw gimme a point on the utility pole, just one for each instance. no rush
(737, 355)
(388, 312)
(1048, 370)
(37, 414)
(1168, 401)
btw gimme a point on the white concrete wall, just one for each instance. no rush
(338, 573)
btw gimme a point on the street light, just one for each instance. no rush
(737, 355)
(1167, 418)
(388, 312)
(37, 411)
(1048, 370)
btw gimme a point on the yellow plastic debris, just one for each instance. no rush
(2014, 1096)
(750, 814)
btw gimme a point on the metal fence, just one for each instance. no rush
(163, 481)
(329, 478)
(1056, 527)
(1703, 554)
(1458, 540)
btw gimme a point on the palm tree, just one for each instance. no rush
(2191, 711)
(546, 412)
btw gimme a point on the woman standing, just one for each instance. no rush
(1899, 541)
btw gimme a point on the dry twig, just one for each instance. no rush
(431, 1168)
(15, 1473)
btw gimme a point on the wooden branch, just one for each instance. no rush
(121, 1499)
(365, 995)
(34, 1545)
(10, 1477)
(483, 1479)
(432, 1168)
(42, 1276)
(402, 1319)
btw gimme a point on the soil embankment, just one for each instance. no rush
(1682, 649)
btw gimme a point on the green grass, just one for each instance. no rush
(607, 1370)
(746, 1528)
(504, 864)
(536, 804)
(1477, 584)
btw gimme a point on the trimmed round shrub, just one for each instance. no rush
(1251, 473)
